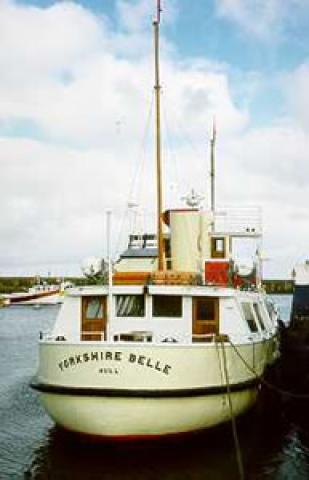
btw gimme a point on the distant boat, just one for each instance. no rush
(40, 293)
(178, 338)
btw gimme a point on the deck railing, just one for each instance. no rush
(47, 336)
(137, 337)
(239, 221)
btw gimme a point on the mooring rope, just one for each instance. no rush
(281, 391)
(218, 344)
(233, 421)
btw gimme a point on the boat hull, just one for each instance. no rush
(137, 390)
(140, 417)
(50, 296)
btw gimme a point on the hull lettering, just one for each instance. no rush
(108, 356)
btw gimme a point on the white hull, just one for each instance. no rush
(135, 390)
(54, 299)
(124, 418)
(36, 296)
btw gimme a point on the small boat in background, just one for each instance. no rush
(41, 293)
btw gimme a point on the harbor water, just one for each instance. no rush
(274, 443)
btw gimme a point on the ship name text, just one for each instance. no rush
(115, 357)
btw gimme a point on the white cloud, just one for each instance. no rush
(269, 167)
(53, 201)
(296, 85)
(45, 40)
(136, 15)
(66, 73)
(197, 92)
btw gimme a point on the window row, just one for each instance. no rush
(162, 306)
(134, 306)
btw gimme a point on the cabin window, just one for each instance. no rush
(130, 305)
(94, 308)
(259, 315)
(93, 321)
(249, 317)
(218, 247)
(167, 306)
(205, 318)
(205, 310)
(270, 309)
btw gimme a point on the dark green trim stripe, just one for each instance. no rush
(159, 393)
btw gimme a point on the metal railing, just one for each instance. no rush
(81, 336)
(162, 338)
(239, 221)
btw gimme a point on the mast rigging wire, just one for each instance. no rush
(138, 171)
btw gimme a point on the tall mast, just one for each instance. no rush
(157, 87)
(212, 167)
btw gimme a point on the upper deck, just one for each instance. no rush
(162, 313)
(199, 250)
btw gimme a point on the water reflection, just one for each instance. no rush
(269, 449)
(65, 457)
(274, 437)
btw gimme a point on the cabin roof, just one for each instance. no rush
(185, 290)
(140, 253)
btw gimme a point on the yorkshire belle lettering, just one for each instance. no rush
(109, 356)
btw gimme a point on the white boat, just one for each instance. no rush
(37, 294)
(178, 338)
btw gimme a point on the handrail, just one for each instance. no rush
(186, 338)
(63, 338)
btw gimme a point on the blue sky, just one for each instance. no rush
(75, 93)
(200, 29)
(250, 37)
